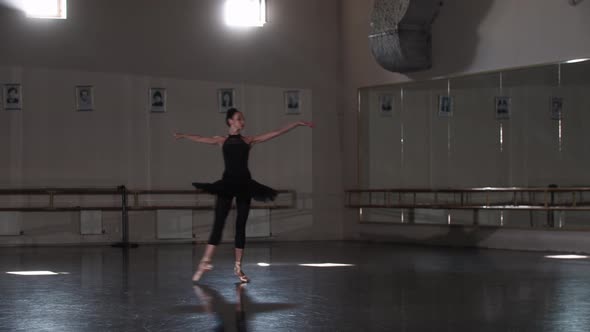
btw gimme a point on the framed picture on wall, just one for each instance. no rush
(84, 98)
(503, 107)
(556, 108)
(13, 97)
(292, 100)
(226, 99)
(385, 104)
(157, 100)
(445, 106)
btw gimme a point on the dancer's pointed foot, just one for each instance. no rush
(204, 266)
(240, 274)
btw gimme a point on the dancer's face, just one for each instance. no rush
(238, 121)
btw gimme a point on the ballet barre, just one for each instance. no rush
(48, 199)
(74, 199)
(488, 198)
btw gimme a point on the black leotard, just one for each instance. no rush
(236, 180)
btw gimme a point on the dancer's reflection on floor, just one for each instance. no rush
(241, 297)
(216, 306)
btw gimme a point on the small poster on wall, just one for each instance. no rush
(84, 98)
(13, 97)
(292, 102)
(503, 107)
(157, 100)
(386, 104)
(226, 99)
(445, 106)
(556, 108)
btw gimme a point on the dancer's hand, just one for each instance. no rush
(306, 123)
(178, 135)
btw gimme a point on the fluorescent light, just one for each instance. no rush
(567, 256)
(52, 9)
(577, 60)
(34, 273)
(245, 13)
(263, 264)
(326, 265)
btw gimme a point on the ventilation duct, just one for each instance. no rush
(400, 36)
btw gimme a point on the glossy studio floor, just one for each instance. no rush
(366, 287)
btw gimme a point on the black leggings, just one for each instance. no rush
(222, 207)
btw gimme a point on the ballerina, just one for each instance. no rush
(236, 182)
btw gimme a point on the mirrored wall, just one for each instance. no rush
(522, 127)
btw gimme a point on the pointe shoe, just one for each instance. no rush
(239, 273)
(204, 266)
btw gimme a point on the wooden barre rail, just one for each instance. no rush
(52, 193)
(570, 198)
(123, 194)
(481, 189)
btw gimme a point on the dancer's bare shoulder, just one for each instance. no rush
(219, 140)
(248, 139)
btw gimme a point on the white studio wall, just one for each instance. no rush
(120, 142)
(122, 49)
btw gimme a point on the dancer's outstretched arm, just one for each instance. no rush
(265, 137)
(215, 140)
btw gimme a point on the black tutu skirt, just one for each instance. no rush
(246, 188)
